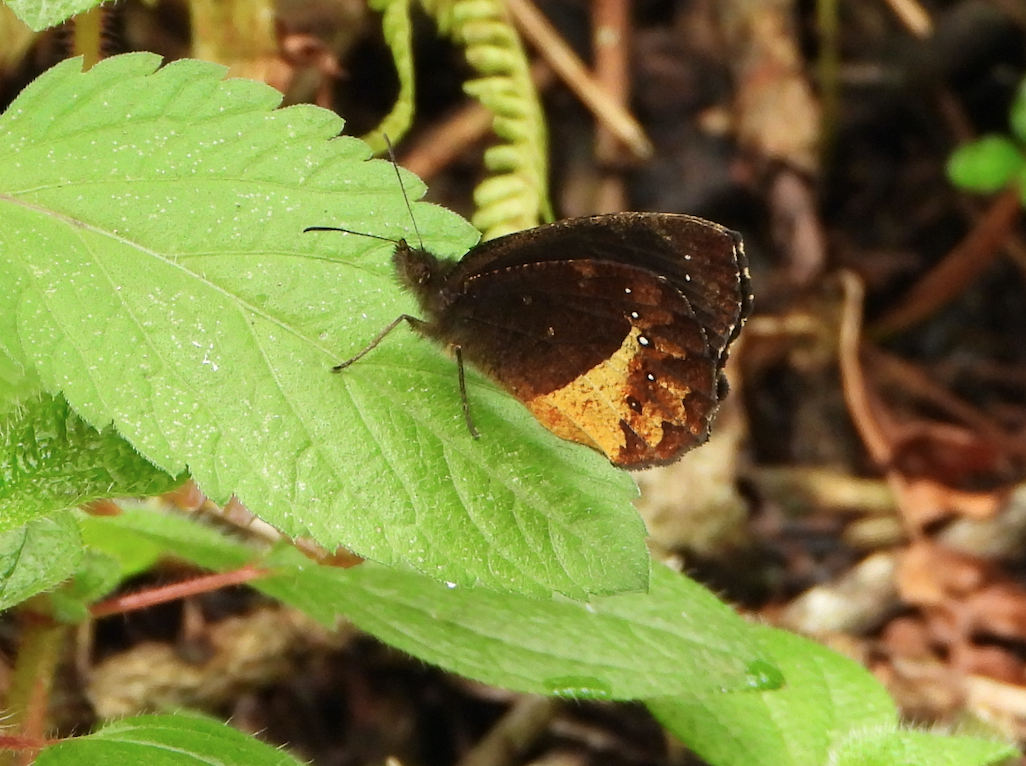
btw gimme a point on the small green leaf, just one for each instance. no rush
(37, 557)
(826, 697)
(133, 552)
(151, 232)
(165, 740)
(51, 460)
(169, 535)
(918, 748)
(40, 14)
(985, 165)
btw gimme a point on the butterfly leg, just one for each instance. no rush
(463, 392)
(414, 322)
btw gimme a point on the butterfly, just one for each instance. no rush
(613, 330)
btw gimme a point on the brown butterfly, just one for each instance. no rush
(612, 330)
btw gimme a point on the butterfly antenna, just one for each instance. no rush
(398, 175)
(350, 231)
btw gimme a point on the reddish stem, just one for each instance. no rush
(131, 601)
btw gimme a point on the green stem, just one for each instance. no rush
(87, 32)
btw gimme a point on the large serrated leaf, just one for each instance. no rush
(676, 637)
(151, 241)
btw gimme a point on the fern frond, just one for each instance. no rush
(395, 26)
(515, 195)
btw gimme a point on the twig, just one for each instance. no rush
(856, 393)
(514, 734)
(914, 16)
(926, 388)
(610, 31)
(958, 268)
(568, 66)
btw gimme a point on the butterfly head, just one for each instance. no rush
(424, 274)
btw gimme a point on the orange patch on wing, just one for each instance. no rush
(596, 409)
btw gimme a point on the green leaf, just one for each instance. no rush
(152, 226)
(52, 460)
(165, 740)
(985, 165)
(37, 557)
(17, 382)
(675, 638)
(917, 748)
(827, 697)
(172, 535)
(133, 552)
(40, 14)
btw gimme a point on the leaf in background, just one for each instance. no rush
(986, 165)
(165, 740)
(52, 460)
(37, 557)
(96, 576)
(172, 535)
(151, 224)
(133, 552)
(826, 699)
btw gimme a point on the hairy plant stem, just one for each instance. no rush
(29, 694)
